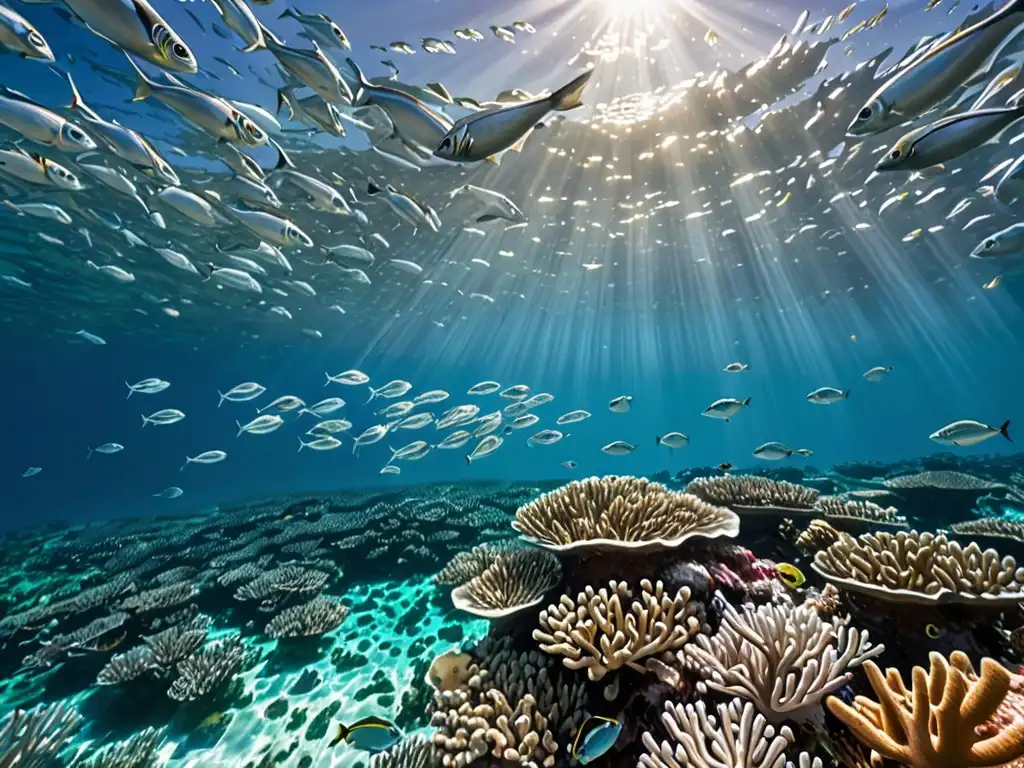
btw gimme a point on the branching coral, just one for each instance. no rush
(920, 568)
(33, 738)
(90, 637)
(178, 642)
(738, 738)
(127, 666)
(317, 617)
(213, 666)
(942, 480)
(514, 582)
(604, 630)
(818, 535)
(932, 725)
(861, 511)
(620, 512)
(139, 751)
(468, 565)
(160, 598)
(281, 583)
(751, 493)
(991, 526)
(784, 659)
(410, 752)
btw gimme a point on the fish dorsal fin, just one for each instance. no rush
(150, 21)
(174, 81)
(392, 190)
(19, 96)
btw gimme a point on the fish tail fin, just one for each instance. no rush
(571, 96)
(327, 383)
(187, 462)
(373, 394)
(288, 14)
(76, 97)
(301, 445)
(144, 86)
(255, 45)
(469, 458)
(145, 421)
(1005, 430)
(747, 401)
(846, 394)
(130, 390)
(281, 101)
(89, 454)
(372, 188)
(364, 84)
(340, 736)
(223, 397)
(657, 439)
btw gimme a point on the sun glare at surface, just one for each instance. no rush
(630, 9)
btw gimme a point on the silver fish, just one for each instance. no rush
(235, 278)
(484, 135)
(136, 27)
(243, 22)
(419, 127)
(242, 164)
(370, 436)
(312, 111)
(1009, 241)
(931, 77)
(485, 447)
(827, 395)
(414, 451)
(40, 124)
(322, 443)
(211, 113)
(165, 416)
(188, 204)
(496, 205)
(36, 169)
(948, 138)
(19, 36)
(272, 228)
(407, 209)
(322, 196)
(773, 451)
(311, 68)
(240, 393)
(964, 433)
(206, 457)
(319, 28)
(350, 254)
(619, 448)
(127, 144)
(456, 439)
(484, 388)
(261, 425)
(725, 408)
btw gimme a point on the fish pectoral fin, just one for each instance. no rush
(487, 217)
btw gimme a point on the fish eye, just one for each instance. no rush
(865, 114)
(446, 144)
(990, 244)
(179, 50)
(896, 154)
(36, 39)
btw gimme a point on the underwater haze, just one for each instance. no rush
(436, 385)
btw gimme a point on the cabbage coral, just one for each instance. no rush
(620, 513)
(514, 582)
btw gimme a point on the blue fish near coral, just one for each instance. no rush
(595, 737)
(372, 734)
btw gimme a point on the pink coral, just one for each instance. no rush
(1010, 711)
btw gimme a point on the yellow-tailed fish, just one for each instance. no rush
(790, 575)
(372, 734)
(595, 737)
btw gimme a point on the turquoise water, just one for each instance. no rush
(628, 421)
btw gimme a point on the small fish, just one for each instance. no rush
(725, 408)
(468, 33)
(596, 736)
(172, 492)
(1008, 241)
(261, 425)
(524, 26)
(827, 395)
(725, 466)
(456, 439)
(206, 457)
(319, 28)
(570, 464)
(107, 448)
(350, 378)
(331, 426)
(486, 134)
(324, 407)
(735, 368)
(240, 19)
(414, 451)
(433, 396)
(503, 34)
(400, 46)
(877, 373)
(390, 469)
(488, 424)
(392, 389)
(544, 437)
(397, 410)
(40, 124)
(619, 448)
(620, 404)
(369, 437)
(240, 393)
(572, 417)
(485, 447)
(283, 404)
(147, 387)
(91, 337)
(517, 392)
(18, 36)
(416, 421)
(324, 443)
(934, 631)
(965, 433)
(371, 734)
(773, 451)
(993, 283)
(166, 416)
(790, 575)
(672, 440)
(31, 471)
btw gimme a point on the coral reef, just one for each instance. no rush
(203, 673)
(818, 535)
(604, 630)
(139, 751)
(861, 511)
(317, 617)
(514, 582)
(932, 724)
(991, 526)
(620, 512)
(739, 737)
(920, 567)
(34, 738)
(468, 565)
(784, 659)
(410, 752)
(749, 493)
(127, 666)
